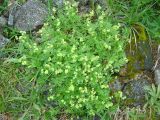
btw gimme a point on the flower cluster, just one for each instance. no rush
(77, 56)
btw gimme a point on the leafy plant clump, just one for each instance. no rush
(153, 101)
(75, 59)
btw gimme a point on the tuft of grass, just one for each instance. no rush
(3, 5)
(135, 11)
(153, 101)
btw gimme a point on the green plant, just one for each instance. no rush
(75, 59)
(153, 100)
(129, 113)
(3, 5)
(137, 12)
(136, 114)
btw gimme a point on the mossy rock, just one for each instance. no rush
(138, 52)
(134, 91)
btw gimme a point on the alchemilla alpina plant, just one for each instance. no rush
(76, 58)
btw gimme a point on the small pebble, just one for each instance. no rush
(157, 76)
(3, 21)
(3, 41)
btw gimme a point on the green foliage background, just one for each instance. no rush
(28, 85)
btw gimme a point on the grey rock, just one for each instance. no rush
(10, 19)
(3, 41)
(30, 15)
(58, 3)
(157, 68)
(145, 49)
(146, 62)
(115, 85)
(140, 56)
(13, 8)
(135, 92)
(157, 76)
(3, 21)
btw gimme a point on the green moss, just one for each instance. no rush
(135, 50)
(91, 2)
(2, 106)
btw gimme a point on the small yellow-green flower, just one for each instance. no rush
(71, 87)
(46, 72)
(24, 62)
